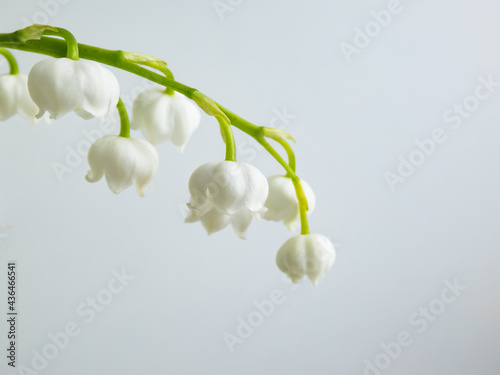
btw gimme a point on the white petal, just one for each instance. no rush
(282, 202)
(227, 187)
(150, 115)
(291, 260)
(214, 221)
(60, 86)
(161, 116)
(15, 98)
(185, 117)
(198, 183)
(257, 188)
(311, 254)
(240, 222)
(124, 162)
(8, 103)
(233, 189)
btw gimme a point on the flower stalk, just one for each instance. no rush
(124, 120)
(14, 68)
(71, 44)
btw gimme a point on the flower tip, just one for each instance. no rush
(295, 279)
(314, 280)
(242, 235)
(292, 225)
(90, 177)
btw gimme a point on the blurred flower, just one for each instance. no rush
(224, 193)
(307, 254)
(123, 161)
(162, 117)
(282, 203)
(59, 86)
(15, 98)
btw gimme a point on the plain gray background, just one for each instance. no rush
(353, 121)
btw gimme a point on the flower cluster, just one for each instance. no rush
(222, 193)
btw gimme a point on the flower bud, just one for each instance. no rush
(282, 203)
(224, 193)
(307, 254)
(162, 117)
(123, 161)
(59, 86)
(15, 98)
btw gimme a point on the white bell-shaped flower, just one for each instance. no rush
(307, 254)
(124, 162)
(282, 203)
(162, 117)
(15, 98)
(59, 86)
(224, 193)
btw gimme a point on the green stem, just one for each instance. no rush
(289, 151)
(303, 206)
(228, 138)
(14, 68)
(124, 121)
(71, 44)
(162, 67)
(301, 197)
(57, 48)
(168, 73)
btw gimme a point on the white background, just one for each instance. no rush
(352, 123)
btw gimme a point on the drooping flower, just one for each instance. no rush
(224, 193)
(59, 86)
(307, 254)
(15, 98)
(123, 161)
(282, 203)
(162, 117)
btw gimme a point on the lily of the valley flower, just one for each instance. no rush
(15, 98)
(307, 254)
(59, 86)
(162, 117)
(282, 202)
(123, 161)
(224, 193)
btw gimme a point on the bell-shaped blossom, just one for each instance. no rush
(124, 162)
(307, 254)
(162, 117)
(282, 203)
(15, 98)
(59, 86)
(224, 193)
